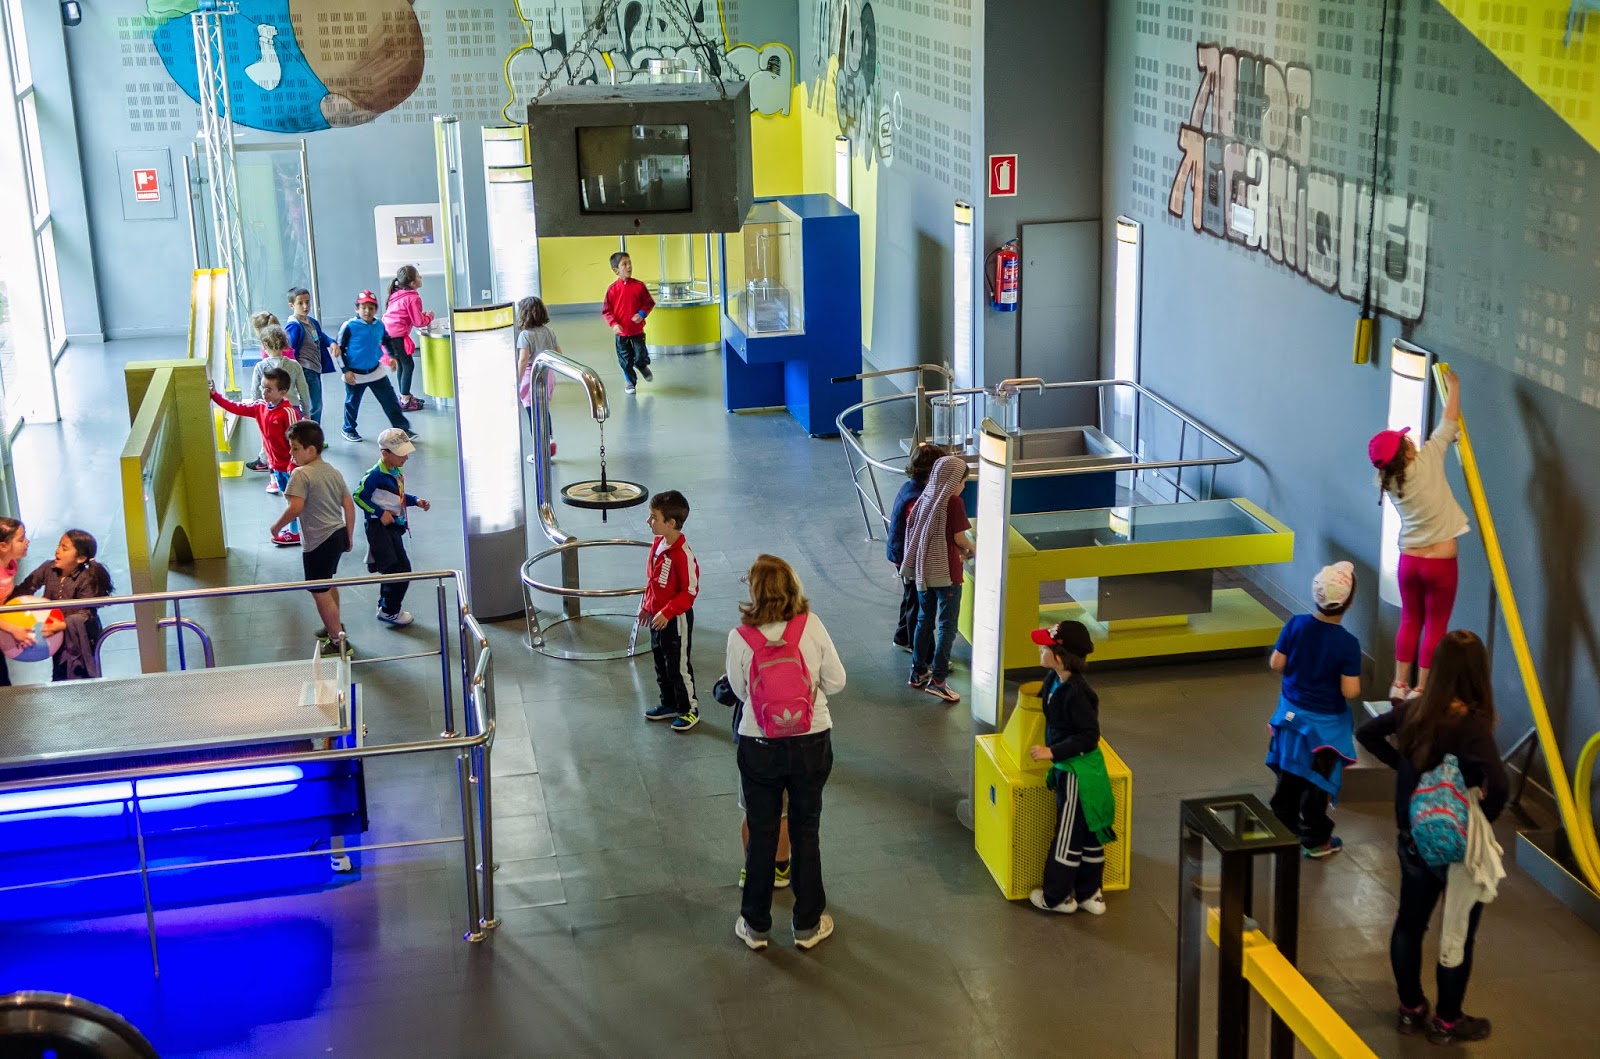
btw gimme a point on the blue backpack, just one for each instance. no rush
(1439, 808)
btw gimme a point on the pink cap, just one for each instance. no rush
(1385, 444)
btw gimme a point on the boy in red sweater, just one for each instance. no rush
(626, 305)
(671, 583)
(274, 414)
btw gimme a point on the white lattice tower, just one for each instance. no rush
(216, 130)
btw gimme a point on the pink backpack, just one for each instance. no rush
(782, 694)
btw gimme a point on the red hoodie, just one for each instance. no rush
(624, 298)
(403, 313)
(673, 578)
(274, 421)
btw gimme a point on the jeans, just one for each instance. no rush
(386, 554)
(314, 389)
(282, 478)
(405, 363)
(632, 353)
(767, 769)
(933, 651)
(1420, 890)
(906, 627)
(1303, 808)
(384, 392)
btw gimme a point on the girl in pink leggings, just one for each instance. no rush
(1430, 521)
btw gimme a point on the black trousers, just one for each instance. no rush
(632, 352)
(670, 646)
(1420, 889)
(1076, 863)
(405, 363)
(1303, 808)
(386, 554)
(906, 629)
(384, 392)
(768, 768)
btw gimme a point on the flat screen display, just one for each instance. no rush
(413, 231)
(634, 169)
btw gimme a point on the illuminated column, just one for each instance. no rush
(513, 234)
(505, 145)
(452, 210)
(1125, 334)
(489, 429)
(962, 358)
(841, 170)
(1408, 407)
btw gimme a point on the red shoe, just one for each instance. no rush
(287, 539)
(552, 448)
(272, 486)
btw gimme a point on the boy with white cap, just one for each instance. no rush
(1311, 741)
(383, 500)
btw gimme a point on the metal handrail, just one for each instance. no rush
(165, 623)
(581, 593)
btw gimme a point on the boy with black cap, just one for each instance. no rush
(1075, 866)
(1311, 742)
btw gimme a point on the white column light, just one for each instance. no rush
(1408, 403)
(841, 170)
(963, 357)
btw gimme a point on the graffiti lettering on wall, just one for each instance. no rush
(1245, 175)
(638, 30)
(847, 31)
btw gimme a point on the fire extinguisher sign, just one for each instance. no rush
(1002, 175)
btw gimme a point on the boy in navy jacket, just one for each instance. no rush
(382, 500)
(312, 347)
(361, 359)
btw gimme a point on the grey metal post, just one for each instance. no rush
(144, 876)
(444, 662)
(469, 847)
(569, 579)
(177, 615)
(1233, 993)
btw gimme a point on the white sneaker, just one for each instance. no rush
(628, 389)
(1399, 691)
(741, 930)
(399, 621)
(1096, 905)
(812, 938)
(1066, 908)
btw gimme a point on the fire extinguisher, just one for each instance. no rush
(1004, 279)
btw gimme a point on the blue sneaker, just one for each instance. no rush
(1327, 849)
(686, 721)
(662, 713)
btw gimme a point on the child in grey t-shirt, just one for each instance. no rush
(318, 496)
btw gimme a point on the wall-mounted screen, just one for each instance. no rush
(634, 169)
(413, 231)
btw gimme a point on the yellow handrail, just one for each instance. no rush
(1573, 803)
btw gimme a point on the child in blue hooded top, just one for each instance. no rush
(1311, 743)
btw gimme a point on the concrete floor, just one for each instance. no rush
(618, 840)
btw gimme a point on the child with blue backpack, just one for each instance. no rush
(1439, 744)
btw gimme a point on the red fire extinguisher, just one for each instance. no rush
(1005, 278)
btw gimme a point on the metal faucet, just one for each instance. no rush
(544, 363)
(918, 434)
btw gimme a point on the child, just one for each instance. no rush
(383, 499)
(917, 471)
(320, 499)
(722, 692)
(626, 304)
(13, 549)
(1430, 522)
(534, 336)
(275, 415)
(313, 349)
(672, 581)
(360, 349)
(1085, 808)
(1455, 715)
(403, 313)
(1321, 665)
(935, 553)
(275, 353)
(73, 574)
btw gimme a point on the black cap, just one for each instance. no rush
(1071, 636)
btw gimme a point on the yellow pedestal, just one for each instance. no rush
(438, 367)
(684, 328)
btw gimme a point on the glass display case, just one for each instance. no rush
(1148, 524)
(768, 289)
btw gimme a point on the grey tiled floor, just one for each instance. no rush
(618, 840)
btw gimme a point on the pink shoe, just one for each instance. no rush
(272, 486)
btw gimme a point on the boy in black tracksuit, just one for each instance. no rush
(672, 580)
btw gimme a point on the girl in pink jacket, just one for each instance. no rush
(403, 313)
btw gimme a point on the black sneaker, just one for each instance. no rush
(412, 435)
(649, 376)
(902, 645)
(351, 435)
(662, 713)
(1412, 1021)
(258, 465)
(1465, 1028)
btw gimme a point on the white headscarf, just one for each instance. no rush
(927, 554)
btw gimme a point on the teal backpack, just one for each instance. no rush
(1439, 808)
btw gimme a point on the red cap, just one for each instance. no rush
(1385, 445)
(366, 297)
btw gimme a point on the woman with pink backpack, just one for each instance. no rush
(783, 667)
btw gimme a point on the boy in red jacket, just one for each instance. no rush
(274, 414)
(626, 305)
(671, 583)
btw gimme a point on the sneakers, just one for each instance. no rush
(412, 435)
(1066, 907)
(410, 404)
(644, 370)
(940, 690)
(902, 646)
(1096, 905)
(1327, 849)
(351, 435)
(781, 877)
(257, 465)
(330, 647)
(919, 681)
(686, 721)
(742, 872)
(272, 486)
(399, 620)
(1399, 691)
(662, 713)
(628, 388)
(552, 450)
(810, 939)
(1412, 1021)
(1465, 1028)
(286, 539)
(756, 940)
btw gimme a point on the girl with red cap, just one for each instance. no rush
(1430, 521)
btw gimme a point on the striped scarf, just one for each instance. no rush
(927, 554)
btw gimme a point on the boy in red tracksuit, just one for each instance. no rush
(626, 305)
(274, 414)
(671, 583)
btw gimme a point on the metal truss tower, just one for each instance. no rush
(216, 132)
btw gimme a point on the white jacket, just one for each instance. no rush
(1475, 880)
(821, 658)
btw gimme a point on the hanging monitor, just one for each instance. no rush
(641, 159)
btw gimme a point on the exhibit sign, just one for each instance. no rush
(989, 575)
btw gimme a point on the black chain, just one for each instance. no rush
(591, 33)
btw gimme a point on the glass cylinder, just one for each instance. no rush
(513, 232)
(950, 421)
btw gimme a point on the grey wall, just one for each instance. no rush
(1261, 353)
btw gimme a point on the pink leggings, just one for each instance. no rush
(1427, 593)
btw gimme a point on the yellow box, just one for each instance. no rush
(1014, 818)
